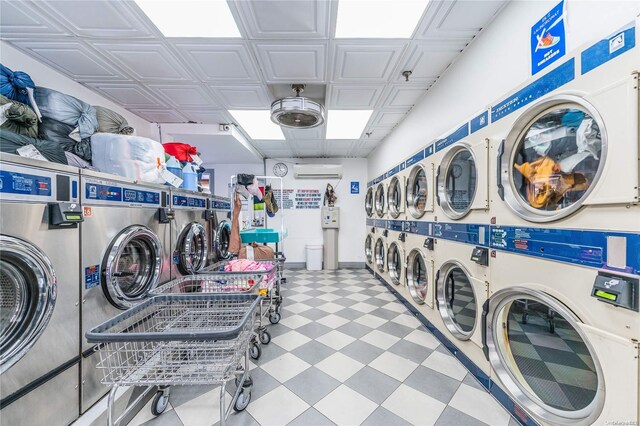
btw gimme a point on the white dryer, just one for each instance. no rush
(395, 197)
(561, 343)
(380, 200)
(380, 255)
(39, 275)
(368, 202)
(220, 234)
(369, 242)
(189, 233)
(419, 271)
(396, 256)
(419, 191)
(125, 254)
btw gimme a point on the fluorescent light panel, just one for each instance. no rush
(378, 18)
(191, 18)
(346, 124)
(258, 124)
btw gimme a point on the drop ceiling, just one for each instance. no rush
(113, 48)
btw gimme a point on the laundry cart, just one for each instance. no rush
(180, 339)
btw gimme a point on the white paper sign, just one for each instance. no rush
(196, 160)
(30, 151)
(170, 178)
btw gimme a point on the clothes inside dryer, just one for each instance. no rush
(368, 202)
(394, 263)
(379, 201)
(417, 191)
(193, 248)
(460, 181)
(457, 302)
(417, 278)
(380, 254)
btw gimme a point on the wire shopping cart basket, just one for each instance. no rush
(180, 339)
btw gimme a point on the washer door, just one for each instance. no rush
(543, 357)
(417, 191)
(380, 254)
(394, 197)
(457, 300)
(417, 276)
(553, 158)
(193, 249)
(368, 202)
(27, 298)
(132, 266)
(223, 237)
(394, 263)
(458, 182)
(368, 248)
(379, 201)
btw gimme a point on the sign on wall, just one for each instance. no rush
(299, 198)
(355, 187)
(287, 198)
(548, 39)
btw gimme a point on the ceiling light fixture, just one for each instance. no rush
(378, 18)
(346, 124)
(258, 124)
(297, 112)
(191, 18)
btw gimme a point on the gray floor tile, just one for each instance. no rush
(373, 384)
(362, 351)
(384, 417)
(394, 329)
(277, 329)
(342, 293)
(343, 301)
(354, 329)
(314, 302)
(242, 418)
(168, 418)
(313, 352)
(473, 382)
(312, 385)
(270, 352)
(376, 302)
(314, 314)
(311, 417)
(349, 314)
(182, 394)
(313, 329)
(369, 292)
(452, 417)
(263, 383)
(409, 350)
(315, 293)
(432, 383)
(384, 313)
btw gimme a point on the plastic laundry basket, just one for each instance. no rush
(314, 257)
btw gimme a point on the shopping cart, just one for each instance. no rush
(180, 339)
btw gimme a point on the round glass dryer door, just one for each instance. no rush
(417, 280)
(368, 248)
(379, 200)
(543, 358)
(223, 237)
(27, 298)
(380, 254)
(368, 202)
(193, 248)
(132, 266)
(417, 191)
(394, 197)
(394, 263)
(457, 300)
(553, 158)
(457, 188)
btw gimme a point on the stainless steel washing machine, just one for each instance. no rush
(125, 240)
(39, 273)
(220, 227)
(189, 235)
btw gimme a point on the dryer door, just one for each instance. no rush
(394, 197)
(132, 266)
(368, 202)
(395, 263)
(27, 297)
(457, 300)
(368, 248)
(380, 200)
(193, 249)
(223, 237)
(418, 193)
(418, 277)
(380, 254)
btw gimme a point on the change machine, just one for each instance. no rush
(330, 226)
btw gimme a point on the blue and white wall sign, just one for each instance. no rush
(459, 133)
(609, 48)
(479, 122)
(393, 171)
(428, 151)
(548, 39)
(415, 158)
(545, 84)
(355, 187)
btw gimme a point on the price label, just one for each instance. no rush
(30, 151)
(170, 178)
(196, 160)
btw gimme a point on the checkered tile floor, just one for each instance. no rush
(346, 353)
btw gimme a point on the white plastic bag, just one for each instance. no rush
(134, 157)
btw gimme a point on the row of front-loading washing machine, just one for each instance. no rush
(76, 248)
(519, 242)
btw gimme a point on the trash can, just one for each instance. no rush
(314, 257)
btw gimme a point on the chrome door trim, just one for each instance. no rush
(410, 275)
(394, 268)
(368, 249)
(447, 317)
(379, 200)
(222, 250)
(380, 254)
(410, 197)
(368, 202)
(189, 236)
(442, 184)
(394, 188)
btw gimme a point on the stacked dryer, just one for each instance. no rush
(190, 233)
(371, 230)
(220, 231)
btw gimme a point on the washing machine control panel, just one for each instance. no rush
(617, 290)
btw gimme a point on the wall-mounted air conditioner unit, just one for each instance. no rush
(317, 171)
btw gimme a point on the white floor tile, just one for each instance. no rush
(413, 406)
(395, 307)
(386, 296)
(380, 339)
(336, 339)
(423, 338)
(203, 410)
(285, 367)
(297, 308)
(358, 297)
(345, 407)
(300, 297)
(333, 321)
(278, 407)
(331, 307)
(329, 297)
(340, 366)
(407, 320)
(327, 289)
(394, 366)
(354, 288)
(144, 415)
(445, 364)
(479, 404)
(371, 321)
(291, 340)
(364, 307)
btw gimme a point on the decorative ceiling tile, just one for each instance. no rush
(129, 95)
(159, 116)
(403, 95)
(206, 116)
(365, 62)
(457, 18)
(354, 96)
(21, 19)
(219, 62)
(185, 95)
(428, 59)
(387, 118)
(292, 62)
(304, 134)
(277, 19)
(249, 96)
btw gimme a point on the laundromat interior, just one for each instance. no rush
(319, 212)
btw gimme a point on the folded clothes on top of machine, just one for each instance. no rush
(18, 117)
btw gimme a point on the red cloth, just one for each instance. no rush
(182, 151)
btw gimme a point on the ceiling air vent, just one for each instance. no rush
(297, 112)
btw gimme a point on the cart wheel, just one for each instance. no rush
(248, 382)
(265, 337)
(160, 403)
(243, 399)
(274, 318)
(255, 351)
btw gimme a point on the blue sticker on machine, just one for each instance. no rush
(181, 201)
(370, 222)
(611, 47)
(415, 158)
(459, 133)
(393, 171)
(102, 192)
(479, 122)
(143, 197)
(402, 166)
(24, 184)
(548, 39)
(396, 225)
(428, 151)
(545, 84)
(91, 276)
(220, 205)
(468, 233)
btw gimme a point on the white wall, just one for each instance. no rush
(493, 65)
(223, 173)
(304, 225)
(46, 76)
